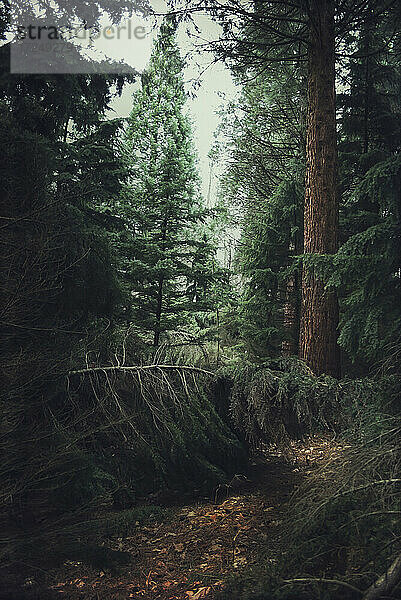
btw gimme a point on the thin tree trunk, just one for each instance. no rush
(289, 346)
(159, 299)
(159, 307)
(319, 318)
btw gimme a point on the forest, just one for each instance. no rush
(200, 393)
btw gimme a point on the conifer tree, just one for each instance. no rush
(162, 203)
(319, 316)
(265, 33)
(264, 179)
(59, 284)
(367, 266)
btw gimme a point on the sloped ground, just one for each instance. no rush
(191, 554)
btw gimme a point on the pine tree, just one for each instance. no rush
(162, 205)
(319, 317)
(367, 266)
(258, 35)
(59, 284)
(265, 133)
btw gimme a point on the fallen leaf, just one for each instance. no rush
(215, 547)
(239, 562)
(148, 579)
(179, 547)
(201, 593)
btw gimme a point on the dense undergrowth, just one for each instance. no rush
(281, 399)
(112, 438)
(145, 430)
(162, 430)
(343, 527)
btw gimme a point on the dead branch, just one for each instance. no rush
(178, 368)
(323, 580)
(366, 486)
(387, 583)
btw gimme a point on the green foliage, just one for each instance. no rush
(281, 399)
(265, 137)
(166, 433)
(366, 270)
(264, 132)
(98, 235)
(168, 257)
(268, 241)
(58, 293)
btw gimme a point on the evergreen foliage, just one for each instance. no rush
(109, 261)
(367, 266)
(58, 285)
(163, 431)
(168, 259)
(264, 177)
(279, 400)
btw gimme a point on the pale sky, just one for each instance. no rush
(216, 81)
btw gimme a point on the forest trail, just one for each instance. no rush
(192, 553)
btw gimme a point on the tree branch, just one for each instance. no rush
(323, 580)
(387, 583)
(142, 368)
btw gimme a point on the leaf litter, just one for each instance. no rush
(191, 555)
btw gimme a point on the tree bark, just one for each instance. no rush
(158, 315)
(319, 314)
(159, 298)
(387, 583)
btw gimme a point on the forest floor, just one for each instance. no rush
(192, 552)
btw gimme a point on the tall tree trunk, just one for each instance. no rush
(319, 318)
(289, 346)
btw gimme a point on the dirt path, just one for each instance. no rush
(190, 555)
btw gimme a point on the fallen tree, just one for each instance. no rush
(109, 437)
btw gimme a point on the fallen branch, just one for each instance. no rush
(143, 368)
(371, 514)
(323, 580)
(380, 550)
(365, 487)
(387, 583)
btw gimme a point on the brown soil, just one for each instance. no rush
(191, 555)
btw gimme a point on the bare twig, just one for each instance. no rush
(323, 580)
(366, 486)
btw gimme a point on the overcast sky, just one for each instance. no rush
(216, 84)
(216, 81)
